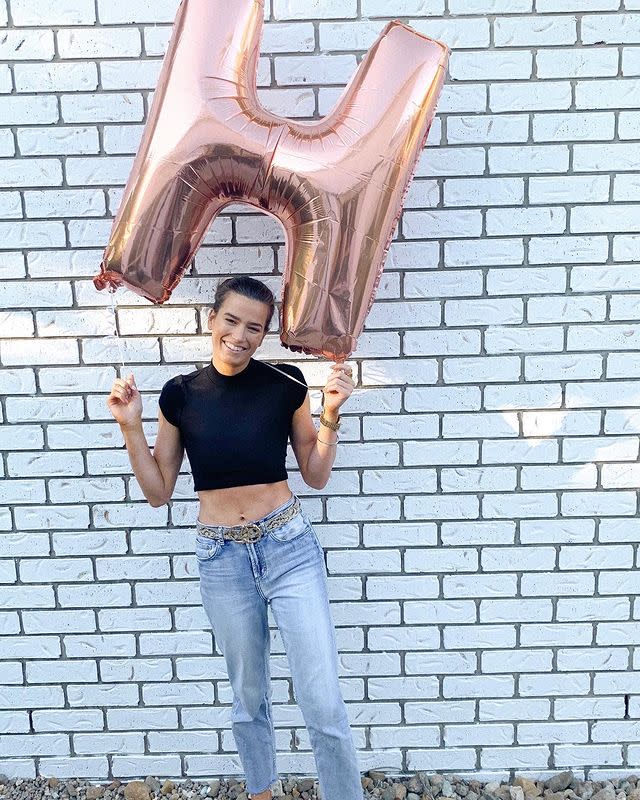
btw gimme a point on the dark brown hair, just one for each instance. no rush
(248, 287)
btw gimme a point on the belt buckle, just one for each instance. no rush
(250, 533)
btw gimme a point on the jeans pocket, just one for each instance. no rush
(295, 527)
(207, 549)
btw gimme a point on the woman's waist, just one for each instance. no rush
(238, 505)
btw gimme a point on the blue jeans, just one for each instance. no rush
(285, 569)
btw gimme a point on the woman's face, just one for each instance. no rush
(237, 330)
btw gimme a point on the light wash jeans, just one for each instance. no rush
(286, 570)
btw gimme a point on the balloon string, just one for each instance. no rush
(116, 332)
(286, 375)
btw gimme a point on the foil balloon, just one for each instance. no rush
(336, 184)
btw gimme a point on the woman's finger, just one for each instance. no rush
(120, 394)
(341, 380)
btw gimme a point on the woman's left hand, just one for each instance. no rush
(338, 387)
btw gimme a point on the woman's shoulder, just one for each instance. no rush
(174, 387)
(290, 378)
(184, 377)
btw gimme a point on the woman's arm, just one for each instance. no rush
(315, 451)
(156, 473)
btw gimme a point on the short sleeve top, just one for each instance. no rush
(235, 428)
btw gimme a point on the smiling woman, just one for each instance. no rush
(235, 415)
(255, 546)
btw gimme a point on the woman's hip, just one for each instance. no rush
(279, 552)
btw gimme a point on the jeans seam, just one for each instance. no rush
(256, 578)
(284, 541)
(212, 555)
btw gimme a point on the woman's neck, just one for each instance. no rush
(228, 369)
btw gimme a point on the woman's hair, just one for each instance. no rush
(248, 287)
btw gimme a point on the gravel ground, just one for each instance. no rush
(420, 786)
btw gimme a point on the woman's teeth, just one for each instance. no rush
(232, 348)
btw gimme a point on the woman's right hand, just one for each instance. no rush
(125, 402)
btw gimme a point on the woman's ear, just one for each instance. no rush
(210, 319)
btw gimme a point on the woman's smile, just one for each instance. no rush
(235, 348)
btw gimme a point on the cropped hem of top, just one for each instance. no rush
(234, 428)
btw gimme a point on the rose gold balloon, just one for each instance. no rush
(336, 184)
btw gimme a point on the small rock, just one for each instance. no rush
(152, 783)
(214, 788)
(413, 796)
(528, 787)
(560, 781)
(606, 793)
(138, 790)
(401, 791)
(376, 775)
(516, 792)
(167, 787)
(306, 784)
(388, 793)
(446, 789)
(94, 792)
(415, 785)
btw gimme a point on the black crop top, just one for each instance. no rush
(234, 428)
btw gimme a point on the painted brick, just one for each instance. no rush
(481, 521)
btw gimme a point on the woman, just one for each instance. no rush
(254, 545)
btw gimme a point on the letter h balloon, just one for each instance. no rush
(336, 184)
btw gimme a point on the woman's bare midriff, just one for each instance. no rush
(239, 505)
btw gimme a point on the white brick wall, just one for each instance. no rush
(481, 523)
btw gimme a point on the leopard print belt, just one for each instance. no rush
(252, 531)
